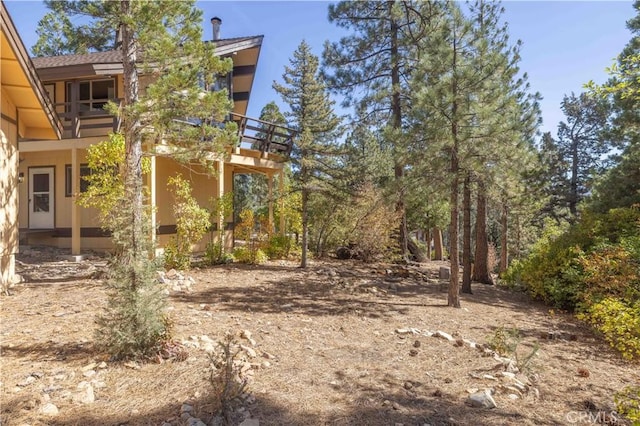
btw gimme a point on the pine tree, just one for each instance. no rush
(582, 144)
(157, 38)
(312, 116)
(370, 68)
(57, 35)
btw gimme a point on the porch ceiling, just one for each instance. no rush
(19, 82)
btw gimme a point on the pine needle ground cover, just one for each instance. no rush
(328, 351)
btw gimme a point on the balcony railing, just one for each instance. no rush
(253, 133)
(79, 116)
(264, 136)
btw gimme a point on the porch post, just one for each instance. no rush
(75, 109)
(221, 218)
(281, 187)
(270, 198)
(152, 198)
(75, 208)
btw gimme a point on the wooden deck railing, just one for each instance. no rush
(256, 134)
(264, 136)
(76, 119)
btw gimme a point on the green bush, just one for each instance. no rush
(619, 322)
(592, 268)
(215, 254)
(278, 247)
(628, 403)
(192, 223)
(246, 255)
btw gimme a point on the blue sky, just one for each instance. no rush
(565, 45)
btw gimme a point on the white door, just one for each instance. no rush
(41, 198)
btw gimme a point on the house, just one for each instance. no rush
(79, 86)
(26, 112)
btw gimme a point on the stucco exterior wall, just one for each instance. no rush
(8, 190)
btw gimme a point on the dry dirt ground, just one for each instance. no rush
(340, 343)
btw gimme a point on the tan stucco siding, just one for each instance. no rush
(8, 191)
(63, 204)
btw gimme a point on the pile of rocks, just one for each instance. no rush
(507, 381)
(175, 281)
(51, 391)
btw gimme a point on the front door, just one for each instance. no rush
(41, 198)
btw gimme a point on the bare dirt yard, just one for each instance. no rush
(340, 343)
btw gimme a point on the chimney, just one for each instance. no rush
(215, 23)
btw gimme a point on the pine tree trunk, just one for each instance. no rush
(573, 191)
(133, 194)
(504, 257)
(481, 271)
(427, 239)
(396, 109)
(438, 248)
(466, 235)
(453, 298)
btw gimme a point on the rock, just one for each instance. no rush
(132, 364)
(86, 395)
(396, 406)
(413, 352)
(266, 364)
(171, 273)
(246, 334)
(26, 382)
(513, 396)
(403, 331)
(250, 352)
(49, 409)
(488, 377)
(89, 373)
(508, 374)
(472, 390)
(444, 273)
(482, 399)
(193, 421)
(416, 344)
(250, 422)
(408, 385)
(186, 408)
(88, 367)
(444, 335)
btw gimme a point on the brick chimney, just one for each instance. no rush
(215, 23)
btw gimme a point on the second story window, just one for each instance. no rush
(93, 95)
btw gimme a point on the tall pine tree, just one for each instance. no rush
(311, 114)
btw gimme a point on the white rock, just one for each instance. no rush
(444, 335)
(249, 351)
(102, 365)
(89, 367)
(250, 422)
(89, 373)
(508, 375)
(482, 399)
(86, 395)
(513, 396)
(49, 409)
(186, 408)
(470, 343)
(206, 338)
(488, 377)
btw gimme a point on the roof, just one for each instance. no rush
(223, 47)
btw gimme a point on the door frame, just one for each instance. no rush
(52, 193)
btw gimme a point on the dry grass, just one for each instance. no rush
(337, 358)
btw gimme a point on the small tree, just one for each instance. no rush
(192, 223)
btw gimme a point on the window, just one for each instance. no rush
(92, 94)
(68, 179)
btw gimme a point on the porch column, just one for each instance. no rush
(270, 200)
(282, 196)
(221, 218)
(75, 208)
(75, 109)
(152, 198)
